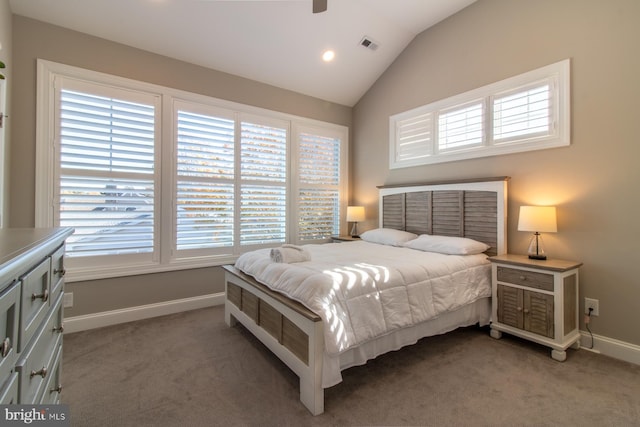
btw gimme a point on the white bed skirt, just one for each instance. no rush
(477, 312)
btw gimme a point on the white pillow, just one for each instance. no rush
(387, 236)
(447, 245)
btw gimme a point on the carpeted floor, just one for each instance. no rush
(190, 369)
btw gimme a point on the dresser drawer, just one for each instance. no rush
(53, 388)
(34, 301)
(36, 363)
(9, 391)
(9, 319)
(530, 279)
(57, 272)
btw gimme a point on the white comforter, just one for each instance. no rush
(364, 290)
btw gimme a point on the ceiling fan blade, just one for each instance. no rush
(319, 6)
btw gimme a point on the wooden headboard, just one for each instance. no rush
(476, 209)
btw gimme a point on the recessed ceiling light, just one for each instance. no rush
(328, 55)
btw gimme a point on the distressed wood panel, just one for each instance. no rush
(510, 306)
(418, 212)
(249, 305)
(271, 320)
(539, 313)
(481, 218)
(570, 307)
(295, 340)
(393, 213)
(234, 294)
(447, 213)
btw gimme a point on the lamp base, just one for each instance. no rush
(536, 248)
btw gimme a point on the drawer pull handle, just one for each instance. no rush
(526, 311)
(57, 389)
(59, 329)
(523, 277)
(44, 296)
(6, 347)
(62, 271)
(42, 372)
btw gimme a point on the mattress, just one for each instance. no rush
(365, 291)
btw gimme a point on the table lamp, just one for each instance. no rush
(537, 219)
(355, 214)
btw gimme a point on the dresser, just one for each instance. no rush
(536, 300)
(31, 314)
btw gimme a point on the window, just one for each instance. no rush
(461, 127)
(522, 113)
(205, 171)
(413, 136)
(263, 169)
(106, 170)
(154, 179)
(319, 190)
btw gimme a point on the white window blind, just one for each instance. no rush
(524, 112)
(461, 127)
(263, 168)
(319, 186)
(205, 181)
(106, 178)
(414, 136)
(530, 111)
(151, 189)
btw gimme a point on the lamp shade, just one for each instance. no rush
(538, 218)
(355, 213)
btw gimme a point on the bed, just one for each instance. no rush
(320, 334)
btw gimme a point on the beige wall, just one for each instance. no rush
(34, 39)
(5, 133)
(594, 182)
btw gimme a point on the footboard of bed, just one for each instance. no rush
(290, 330)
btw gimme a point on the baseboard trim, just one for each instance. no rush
(602, 345)
(130, 314)
(610, 347)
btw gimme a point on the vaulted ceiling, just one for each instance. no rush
(278, 42)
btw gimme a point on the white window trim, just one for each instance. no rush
(45, 163)
(558, 73)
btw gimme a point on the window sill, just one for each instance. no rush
(94, 273)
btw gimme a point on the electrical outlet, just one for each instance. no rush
(592, 303)
(68, 299)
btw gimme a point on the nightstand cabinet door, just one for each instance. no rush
(538, 313)
(510, 304)
(522, 309)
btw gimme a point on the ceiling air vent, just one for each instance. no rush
(369, 43)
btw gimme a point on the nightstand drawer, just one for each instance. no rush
(529, 279)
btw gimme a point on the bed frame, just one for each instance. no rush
(472, 208)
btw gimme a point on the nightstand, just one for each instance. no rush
(536, 300)
(346, 238)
